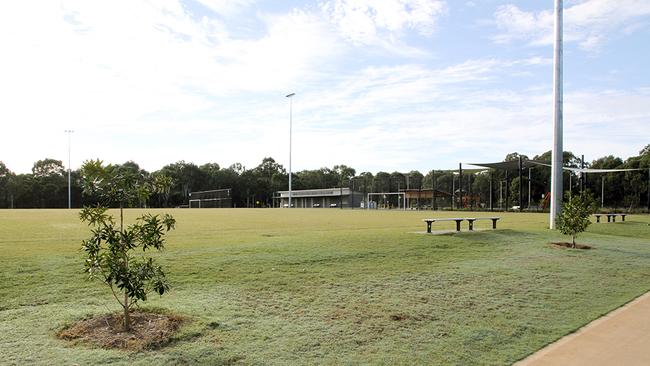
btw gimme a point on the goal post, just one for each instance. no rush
(383, 198)
(215, 198)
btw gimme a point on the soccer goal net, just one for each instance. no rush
(386, 200)
(216, 198)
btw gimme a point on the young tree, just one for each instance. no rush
(574, 217)
(110, 249)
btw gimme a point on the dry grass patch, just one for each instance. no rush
(569, 245)
(148, 331)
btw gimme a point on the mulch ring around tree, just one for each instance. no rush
(570, 246)
(148, 331)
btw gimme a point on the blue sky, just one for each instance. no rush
(380, 85)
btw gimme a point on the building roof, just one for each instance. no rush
(321, 192)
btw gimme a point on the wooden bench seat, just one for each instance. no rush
(430, 221)
(611, 217)
(472, 219)
(458, 220)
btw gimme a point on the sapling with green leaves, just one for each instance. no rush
(574, 217)
(110, 250)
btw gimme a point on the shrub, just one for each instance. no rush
(110, 249)
(574, 217)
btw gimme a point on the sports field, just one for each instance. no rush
(322, 286)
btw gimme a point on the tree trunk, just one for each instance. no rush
(573, 241)
(127, 316)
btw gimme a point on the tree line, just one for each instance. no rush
(47, 185)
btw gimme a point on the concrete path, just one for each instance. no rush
(621, 337)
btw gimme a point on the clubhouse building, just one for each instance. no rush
(320, 198)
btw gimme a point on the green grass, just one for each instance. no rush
(326, 287)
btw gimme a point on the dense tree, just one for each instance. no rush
(186, 177)
(269, 177)
(47, 167)
(7, 179)
(46, 186)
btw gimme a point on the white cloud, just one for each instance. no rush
(589, 22)
(147, 81)
(226, 7)
(414, 117)
(367, 22)
(114, 71)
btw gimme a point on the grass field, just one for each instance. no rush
(326, 287)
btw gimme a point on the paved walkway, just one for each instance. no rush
(621, 337)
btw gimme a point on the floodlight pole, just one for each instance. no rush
(290, 132)
(69, 132)
(557, 152)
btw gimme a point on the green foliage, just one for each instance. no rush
(574, 217)
(46, 186)
(109, 252)
(48, 167)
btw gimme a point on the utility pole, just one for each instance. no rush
(351, 185)
(529, 186)
(583, 176)
(557, 152)
(500, 194)
(507, 191)
(460, 184)
(491, 206)
(521, 194)
(433, 190)
(602, 190)
(453, 191)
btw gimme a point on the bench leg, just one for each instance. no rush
(613, 218)
(494, 223)
(609, 219)
(471, 225)
(457, 225)
(597, 218)
(622, 217)
(428, 227)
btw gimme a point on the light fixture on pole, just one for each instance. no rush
(69, 132)
(557, 152)
(290, 96)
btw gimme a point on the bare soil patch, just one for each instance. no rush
(569, 245)
(148, 330)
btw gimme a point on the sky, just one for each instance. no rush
(390, 85)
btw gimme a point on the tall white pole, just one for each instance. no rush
(290, 96)
(557, 152)
(69, 132)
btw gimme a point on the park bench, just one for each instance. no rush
(472, 219)
(611, 217)
(430, 221)
(458, 220)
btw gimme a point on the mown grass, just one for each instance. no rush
(326, 287)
